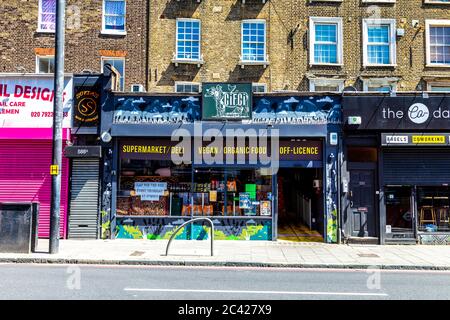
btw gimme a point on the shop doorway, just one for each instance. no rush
(400, 213)
(300, 205)
(362, 203)
(361, 211)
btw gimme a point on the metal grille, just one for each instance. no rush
(416, 166)
(84, 198)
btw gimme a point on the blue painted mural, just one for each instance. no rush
(266, 109)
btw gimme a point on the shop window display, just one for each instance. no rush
(226, 192)
(433, 209)
(160, 188)
(153, 188)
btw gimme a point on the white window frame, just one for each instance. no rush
(431, 84)
(38, 57)
(339, 38)
(103, 58)
(177, 60)
(326, 82)
(40, 20)
(428, 24)
(380, 82)
(378, 1)
(242, 41)
(183, 83)
(113, 32)
(392, 41)
(436, 2)
(260, 84)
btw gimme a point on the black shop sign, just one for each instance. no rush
(86, 107)
(83, 152)
(397, 113)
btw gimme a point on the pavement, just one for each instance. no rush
(239, 253)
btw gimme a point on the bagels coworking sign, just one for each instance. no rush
(225, 101)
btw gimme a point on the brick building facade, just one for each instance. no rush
(23, 38)
(288, 64)
(149, 44)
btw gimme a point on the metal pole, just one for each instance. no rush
(57, 127)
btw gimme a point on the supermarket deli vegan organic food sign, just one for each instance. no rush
(27, 102)
(165, 149)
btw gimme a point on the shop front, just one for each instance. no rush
(404, 143)
(171, 162)
(26, 120)
(84, 154)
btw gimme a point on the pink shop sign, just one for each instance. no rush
(27, 101)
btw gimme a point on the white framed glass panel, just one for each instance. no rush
(440, 88)
(45, 64)
(188, 39)
(378, 48)
(325, 43)
(119, 65)
(114, 16)
(253, 41)
(440, 44)
(259, 87)
(47, 15)
(187, 87)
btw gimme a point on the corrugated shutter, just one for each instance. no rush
(420, 166)
(25, 177)
(84, 200)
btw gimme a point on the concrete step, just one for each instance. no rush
(363, 240)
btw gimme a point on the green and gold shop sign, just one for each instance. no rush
(225, 101)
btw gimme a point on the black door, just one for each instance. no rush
(362, 203)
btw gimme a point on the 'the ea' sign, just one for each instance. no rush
(396, 113)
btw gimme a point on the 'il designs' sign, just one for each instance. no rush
(227, 101)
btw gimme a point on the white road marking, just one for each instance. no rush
(261, 292)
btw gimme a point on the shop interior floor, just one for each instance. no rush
(297, 232)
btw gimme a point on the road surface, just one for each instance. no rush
(23, 281)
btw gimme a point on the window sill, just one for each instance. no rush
(178, 61)
(243, 63)
(380, 65)
(430, 65)
(113, 33)
(45, 31)
(326, 65)
(436, 2)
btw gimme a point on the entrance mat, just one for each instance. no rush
(298, 233)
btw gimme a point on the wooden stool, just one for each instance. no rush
(443, 215)
(423, 219)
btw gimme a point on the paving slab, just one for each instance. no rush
(239, 253)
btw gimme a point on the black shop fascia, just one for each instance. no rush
(396, 177)
(224, 180)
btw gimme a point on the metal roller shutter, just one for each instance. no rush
(418, 166)
(83, 216)
(25, 177)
